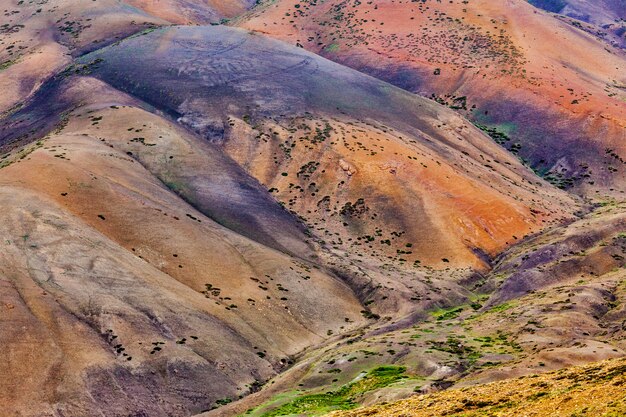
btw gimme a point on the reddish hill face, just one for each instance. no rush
(151, 209)
(186, 11)
(548, 92)
(343, 150)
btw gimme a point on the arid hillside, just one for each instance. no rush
(547, 91)
(602, 12)
(239, 207)
(113, 283)
(39, 39)
(151, 193)
(317, 135)
(554, 301)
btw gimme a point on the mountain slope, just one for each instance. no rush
(554, 301)
(257, 106)
(40, 38)
(116, 281)
(203, 219)
(547, 91)
(126, 222)
(598, 12)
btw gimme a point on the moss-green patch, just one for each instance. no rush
(175, 184)
(502, 307)
(485, 122)
(6, 64)
(9, 159)
(343, 398)
(447, 314)
(453, 345)
(497, 135)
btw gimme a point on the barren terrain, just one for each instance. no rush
(296, 207)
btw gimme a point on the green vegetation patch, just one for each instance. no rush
(498, 136)
(9, 159)
(447, 314)
(7, 64)
(502, 307)
(342, 399)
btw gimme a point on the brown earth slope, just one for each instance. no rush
(338, 155)
(193, 12)
(556, 300)
(113, 284)
(38, 39)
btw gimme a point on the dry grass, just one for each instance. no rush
(594, 390)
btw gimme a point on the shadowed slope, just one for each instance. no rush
(603, 18)
(599, 12)
(202, 175)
